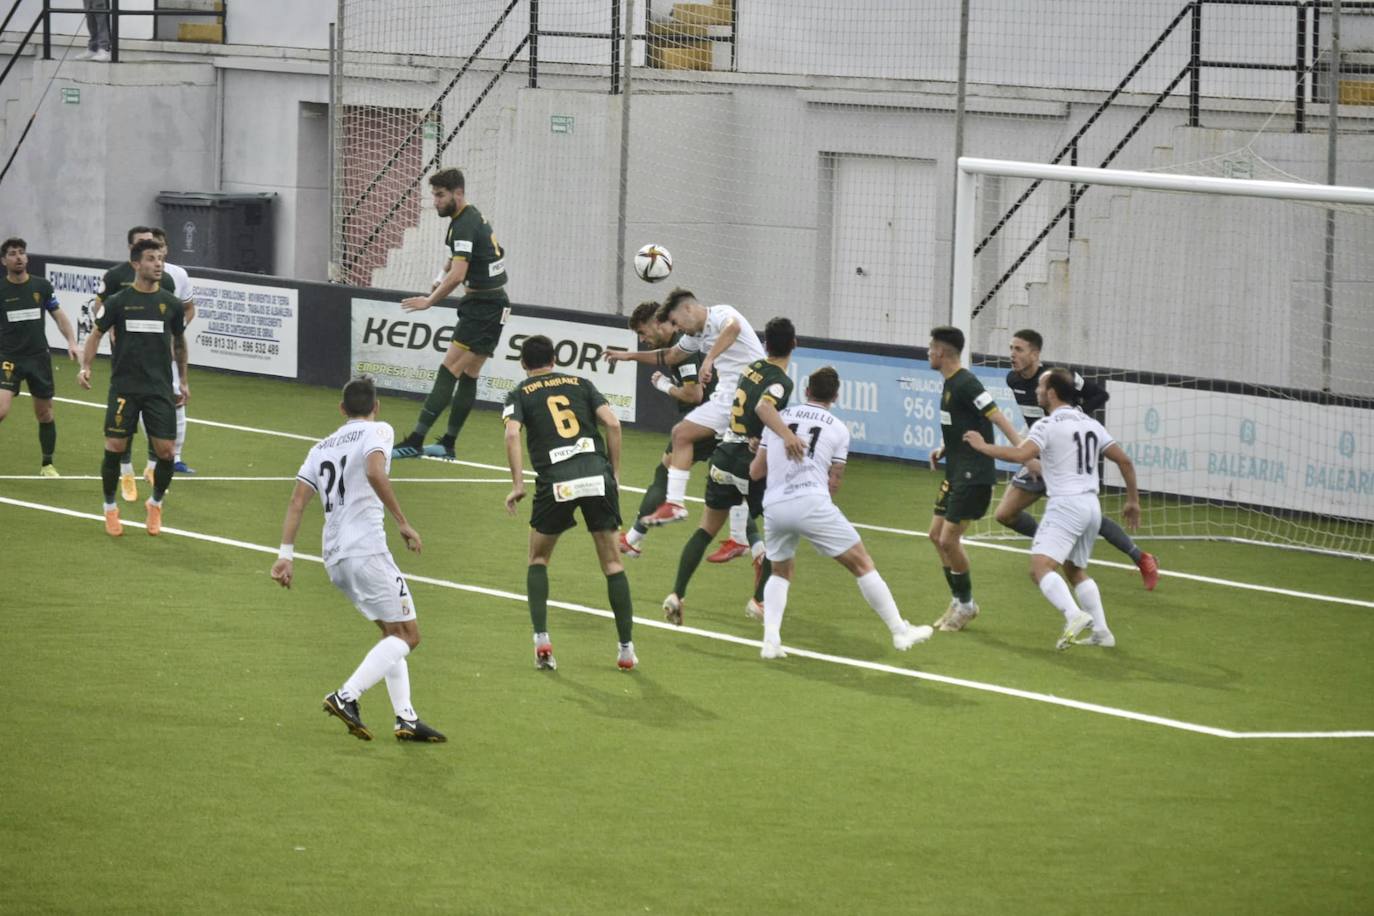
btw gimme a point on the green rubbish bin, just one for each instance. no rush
(219, 229)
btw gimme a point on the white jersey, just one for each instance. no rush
(736, 357)
(336, 469)
(1071, 446)
(827, 442)
(182, 279)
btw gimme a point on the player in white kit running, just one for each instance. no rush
(1069, 444)
(797, 504)
(348, 470)
(730, 345)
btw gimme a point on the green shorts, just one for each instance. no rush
(599, 513)
(159, 413)
(963, 502)
(481, 316)
(723, 493)
(36, 370)
(702, 449)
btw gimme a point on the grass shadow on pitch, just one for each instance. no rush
(636, 697)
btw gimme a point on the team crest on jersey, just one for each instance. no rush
(946, 398)
(162, 308)
(37, 300)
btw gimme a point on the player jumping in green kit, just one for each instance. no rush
(576, 470)
(763, 390)
(149, 323)
(474, 258)
(966, 490)
(24, 354)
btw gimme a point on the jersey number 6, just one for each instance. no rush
(563, 418)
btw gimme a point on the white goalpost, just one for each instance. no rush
(1231, 320)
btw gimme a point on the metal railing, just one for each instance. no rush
(116, 14)
(1307, 33)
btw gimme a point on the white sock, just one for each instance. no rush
(879, 597)
(151, 465)
(739, 520)
(774, 604)
(1054, 588)
(1090, 599)
(398, 687)
(756, 549)
(109, 506)
(375, 665)
(634, 536)
(677, 486)
(126, 469)
(181, 431)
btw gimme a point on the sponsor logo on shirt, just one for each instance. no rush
(143, 326)
(24, 315)
(579, 447)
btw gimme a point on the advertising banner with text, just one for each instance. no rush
(237, 326)
(402, 350)
(1246, 449)
(892, 405)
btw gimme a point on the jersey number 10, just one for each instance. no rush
(1087, 452)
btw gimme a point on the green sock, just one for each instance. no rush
(618, 588)
(109, 475)
(537, 586)
(438, 399)
(162, 478)
(751, 532)
(654, 496)
(962, 585)
(766, 570)
(47, 439)
(463, 396)
(692, 553)
(949, 579)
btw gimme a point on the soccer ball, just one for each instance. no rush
(653, 263)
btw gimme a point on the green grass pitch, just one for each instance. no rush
(163, 750)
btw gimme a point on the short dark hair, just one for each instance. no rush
(536, 352)
(644, 313)
(158, 234)
(779, 336)
(823, 384)
(1031, 337)
(136, 230)
(675, 298)
(141, 246)
(359, 396)
(1060, 381)
(950, 336)
(13, 243)
(450, 179)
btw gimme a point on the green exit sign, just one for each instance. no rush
(71, 96)
(561, 124)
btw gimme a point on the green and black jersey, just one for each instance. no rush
(22, 307)
(760, 381)
(558, 412)
(121, 276)
(144, 325)
(469, 238)
(687, 373)
(965, 406)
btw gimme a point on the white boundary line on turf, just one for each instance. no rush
(1193, 577)
(182, 478)
(742, 641)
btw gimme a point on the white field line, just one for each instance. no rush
(191, 478)
(905, 532)
(738, 640)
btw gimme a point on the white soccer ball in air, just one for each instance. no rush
(653, 263)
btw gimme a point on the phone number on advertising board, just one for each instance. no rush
(239, 345)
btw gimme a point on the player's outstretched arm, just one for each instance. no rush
(1131, 512)
(83, 377)
(689, 393)
(729, 333)
(667, 356)
(514, 461)
(767, 411)
(1019, 454)
(64, 324)
(1000, 420)
(282, 570)
(453, 278)
(381, 485)
(607, 418)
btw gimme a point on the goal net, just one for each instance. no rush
(1229, 320)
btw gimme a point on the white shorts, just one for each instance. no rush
(712, 414)
(1068, 529)
(815, 518)
(375, 586)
